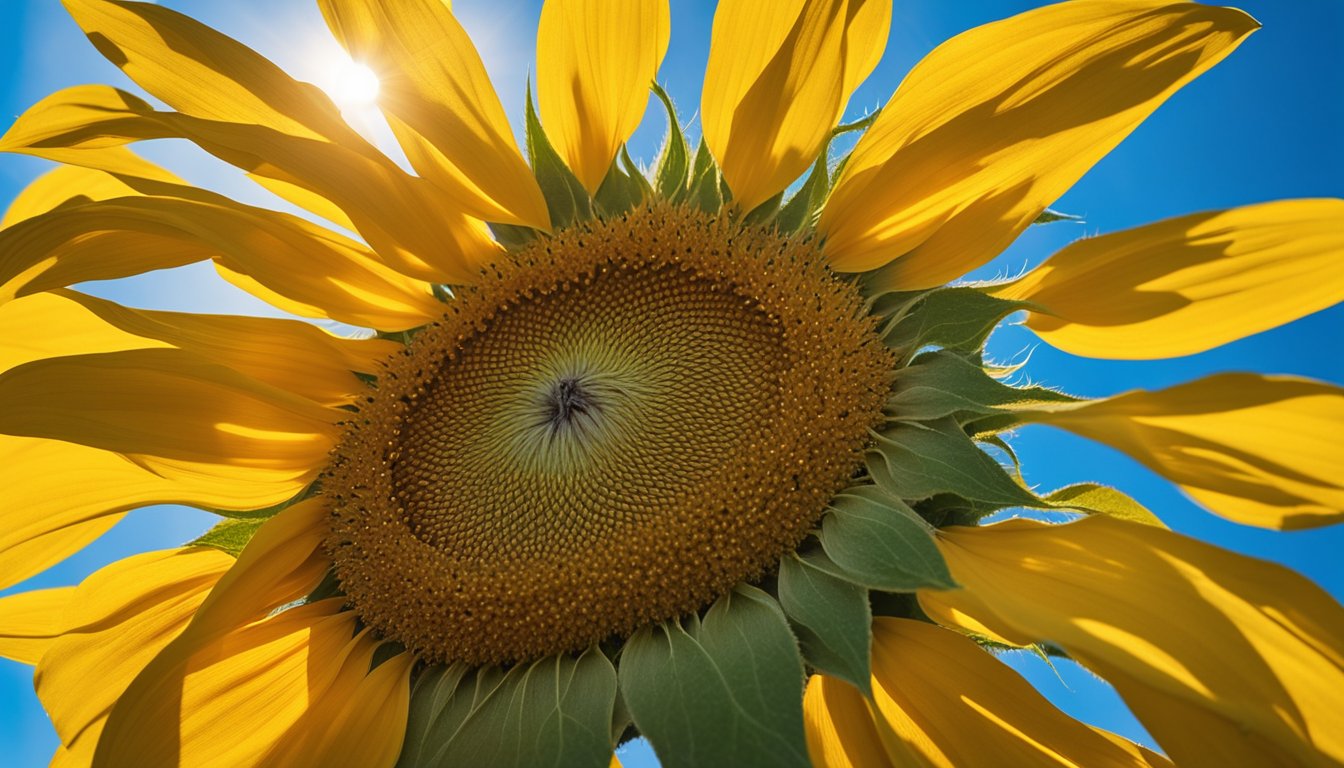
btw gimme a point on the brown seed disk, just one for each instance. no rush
(612, 428)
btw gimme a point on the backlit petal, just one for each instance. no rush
(998, 122)
(778, 78)
(1189, 284)
(432, 80)
(840, 729)
(30, 621)
(598, 60)
(59, 496)
(1218, 654)
(1261, 450)
(283, 562)
(953, 704)
(294, 356)
(118, 619)
(315, 271)
(171, 411)
(229, 701)
(406, 219)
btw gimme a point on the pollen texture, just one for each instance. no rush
(611, 428)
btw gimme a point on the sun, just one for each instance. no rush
(349, 83)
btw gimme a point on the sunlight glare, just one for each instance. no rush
(351, 85)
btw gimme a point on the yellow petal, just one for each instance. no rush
(228, 702)
(778, 78)
(62, 186)
(411, 225)
(1188, 284)
(30, 621)
(283, 562)
(953, 704)
(59, 496)
(171, 411)
(292, 355)
(306, 199)
(1261, 450)
(597, 62)
(998, 122)
(1215, 652)
(327, 274)
(432, 80)
(840, 730)
(361, 721)
(119, 618)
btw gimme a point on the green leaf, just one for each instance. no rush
(565, 196)
(1049, 217)
(728, 692)
(672, 173)
(830, 617)
(556, 711)
(636, 175)
(917, 461)
(939, 384)
(881, 543)
(959, 318)
(764, 213)
(704, 192)
(230, 535)
(432, 695)
(1094, 499)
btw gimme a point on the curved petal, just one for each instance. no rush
(119, 618)
(598, 60)
(171, 411)
(321, 272)
(1261, 450)
(1221, 656)
(406, 219)
(30, 621)
(283, 562)
(361, 721)
(778, 78)
(840, 729)
(998, 122)
(291, 355)
(951, 703)
(1188, 284)
(232, 699)
(60, 496)
(433, 82)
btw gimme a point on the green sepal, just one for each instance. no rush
(672, 173)
(1095, 499)
(958, 318)
(801, 210)
(725, 691)
(939, 383)
(879, 542)
(512, 236)
(556, 711)
(229, 535)
(1049, 216)
(438, 707)
(917, 461)
(703, 193)
(566, 199)
(764, 213)
(831, 618)
(623, 189)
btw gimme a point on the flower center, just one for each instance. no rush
(610, 429)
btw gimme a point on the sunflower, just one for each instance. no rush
(708, 454)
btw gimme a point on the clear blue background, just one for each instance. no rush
(1267, 123)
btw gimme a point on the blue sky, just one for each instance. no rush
(1267, 123)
